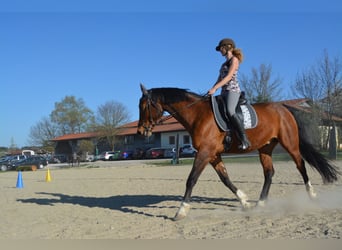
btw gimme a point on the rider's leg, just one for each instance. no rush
(232, 101)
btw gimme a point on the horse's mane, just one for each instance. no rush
(173, 95)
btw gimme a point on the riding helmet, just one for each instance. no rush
(225, 41)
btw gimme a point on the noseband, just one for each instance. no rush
(149, 104)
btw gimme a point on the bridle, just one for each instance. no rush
(151, 103)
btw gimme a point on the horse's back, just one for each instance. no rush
(274, 120)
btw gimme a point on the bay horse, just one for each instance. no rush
(276, 124)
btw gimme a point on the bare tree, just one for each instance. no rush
(43, 132)
(109, 117)
(329, 74)
(322, 84)
(260, 87)
(306, 86)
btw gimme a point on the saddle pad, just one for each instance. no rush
(245, 112)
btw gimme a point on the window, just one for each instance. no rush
(186, 139)
(172, 140)
(149, 139)
(129, 139)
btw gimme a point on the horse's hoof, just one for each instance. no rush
(243, 199)
(178, 217)
(310, 190)
(261, 203)
(182, 211)
(246, 205)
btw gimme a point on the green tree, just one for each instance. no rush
(71, 115)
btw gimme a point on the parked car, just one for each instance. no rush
(139, 153)
(187, 150)
(59, 158)
(35, 160)
(10, 160)
(154, 153)
(126, 155)
(108, 155)
(115, 155)
(169, 152)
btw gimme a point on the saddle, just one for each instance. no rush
(244, 110)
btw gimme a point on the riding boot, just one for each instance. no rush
(240, 131)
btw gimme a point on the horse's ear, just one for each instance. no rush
(143, 89)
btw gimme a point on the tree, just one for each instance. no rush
(322, 84)
(71, 115)
(260, 87)
(110, 116)
(43, 132)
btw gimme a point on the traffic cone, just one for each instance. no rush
(20, 183)
(48, 176)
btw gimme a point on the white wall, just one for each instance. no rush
(165, 138)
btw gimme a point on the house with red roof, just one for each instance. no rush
(165, 135)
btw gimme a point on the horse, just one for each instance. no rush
(276, 124)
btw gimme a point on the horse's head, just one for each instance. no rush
(150, 112)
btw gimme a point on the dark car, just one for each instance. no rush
(169, 152)
(10, 160)
(36, 160)
(154, 153)
(187, 150)
(139, 153)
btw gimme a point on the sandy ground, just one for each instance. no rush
(135, 200)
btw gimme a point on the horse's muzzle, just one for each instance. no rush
(145, 131)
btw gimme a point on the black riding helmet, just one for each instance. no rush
(224, 42)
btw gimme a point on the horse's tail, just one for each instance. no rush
(316, 160)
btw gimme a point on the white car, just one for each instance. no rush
(106, 156)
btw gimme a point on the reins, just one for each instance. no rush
(168, 117)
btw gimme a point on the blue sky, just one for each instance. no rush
(101, 50)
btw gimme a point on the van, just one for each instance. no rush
(27, 152)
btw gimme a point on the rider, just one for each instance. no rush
(229, 85)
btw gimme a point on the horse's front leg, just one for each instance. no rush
(222, 173)
(197, 169)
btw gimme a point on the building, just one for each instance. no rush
(165, 135)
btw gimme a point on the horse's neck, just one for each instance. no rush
(183, 112)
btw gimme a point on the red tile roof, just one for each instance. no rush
(128, 129)
(169, 125)
(84, 135)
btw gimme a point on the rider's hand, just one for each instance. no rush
(211, 91)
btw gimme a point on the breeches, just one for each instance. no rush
(232, 99)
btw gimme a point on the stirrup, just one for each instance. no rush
(244, 145)
(227, 142)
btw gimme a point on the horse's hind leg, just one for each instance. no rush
(222, 173)
(265, 155)
(301, 168)
(293, 150)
